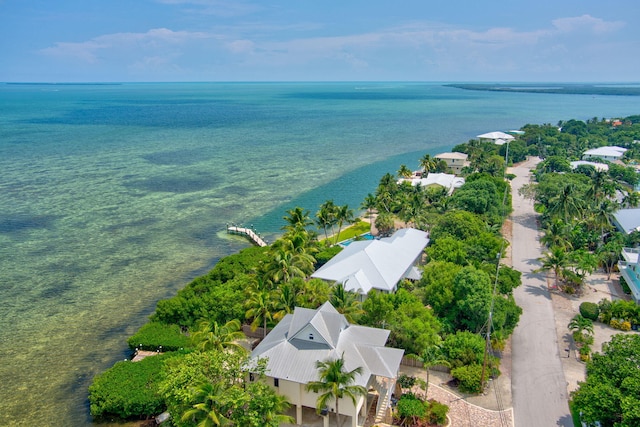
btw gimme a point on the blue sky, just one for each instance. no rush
(312, 40)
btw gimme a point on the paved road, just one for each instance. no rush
(538, 383)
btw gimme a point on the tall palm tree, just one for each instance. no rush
(557, 234)
(345, 302)
(555, 259)
(210, 407)
(211, 336)
(297, 218)
(284, 300)
(343, 215)
(328, 214)
(404, 172)
(567, 204)
(259, 307)
(335, 383)
(432, 356)
(428, 163)
(369, 203)
(286, 264)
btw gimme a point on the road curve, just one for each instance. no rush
(538, 383)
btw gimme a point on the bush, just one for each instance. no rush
(409, 406)
(325, 255)
(154, 335)
(469, 378)
(590, 310)
(406, 381)
(437, 412)
(128, 389)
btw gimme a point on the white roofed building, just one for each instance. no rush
(377, 264)
(301, 339)
(446, 180)
(602, 167)
(455, 161)
(609, 153)
(498, 138)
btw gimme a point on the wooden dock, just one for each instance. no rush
(249, 233)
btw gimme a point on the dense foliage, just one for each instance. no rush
(129, 389)
(611, 392)
(158, 336)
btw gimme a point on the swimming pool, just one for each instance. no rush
(365, 236)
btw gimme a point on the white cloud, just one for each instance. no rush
(88, 51)
(586, 22)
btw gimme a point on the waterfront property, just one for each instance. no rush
(446, 180)
(301, 339)
(609, 153)
(455, 161)
(630, 270)
(498, 138)
(377, 264)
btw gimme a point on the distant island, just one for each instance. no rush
(621, 89)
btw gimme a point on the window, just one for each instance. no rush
(276, 382)
(311, 337)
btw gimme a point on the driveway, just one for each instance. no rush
(538, 383)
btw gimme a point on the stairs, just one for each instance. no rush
(384, 403)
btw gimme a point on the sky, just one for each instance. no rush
(312, 40)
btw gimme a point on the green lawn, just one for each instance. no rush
(355, 229)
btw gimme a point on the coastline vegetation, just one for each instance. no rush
(444, 313)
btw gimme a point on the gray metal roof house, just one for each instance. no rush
(377, 264)
(306, 336)
(627, 220)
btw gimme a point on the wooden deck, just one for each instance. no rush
(249, 233)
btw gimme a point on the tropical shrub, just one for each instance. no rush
(155, 335)
(128, 389)
(438, 412)
(589, 310)
(406, 381)
(469, 378)
(326, 254)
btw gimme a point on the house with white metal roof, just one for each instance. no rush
(602, 167)
(306, 336)
(377, 264)
(446, 180)
(609, 153)
(455, 161)
(498, 138)
(627, 220)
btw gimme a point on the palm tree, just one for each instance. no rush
(345, 302)
(335, 383)
(567, 204)
(343, 215)
(210, 407)
(580, 324)
(312, 294)
(297, 218)
(328, 213)
(404, 172)
(287, 263)
(631, 199)
(432, 356)
(284, 300)
(557, 234)
(259, 307)
(211, 336)
(369, 204)
(273, 413)
(428, 163)
(555, 259)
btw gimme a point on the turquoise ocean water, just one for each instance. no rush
(114, 196)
